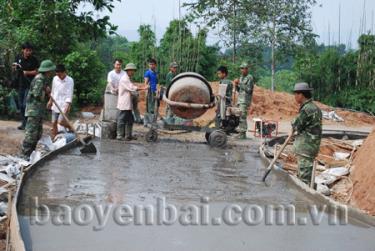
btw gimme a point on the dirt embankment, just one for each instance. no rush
(279, 106)
(363, 176)
(282, 106)
(10, 137)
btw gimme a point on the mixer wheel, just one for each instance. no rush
(218, 139)
(207, 136)
(151, 136)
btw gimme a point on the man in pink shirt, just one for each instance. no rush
(125, 117)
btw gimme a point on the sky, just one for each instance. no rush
(129, 14)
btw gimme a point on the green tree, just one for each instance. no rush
(140, 52)
(53, 26)
(279, 24)
(87, 71)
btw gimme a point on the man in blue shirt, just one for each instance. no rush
(151, 80)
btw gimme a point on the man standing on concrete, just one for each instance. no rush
(125, 117)
(222, 73)
(245, 88)
(151, 80)
(171, 74)
(113, 80)
(25, 67)
(62, 93)
(36, 107)
(308, 128)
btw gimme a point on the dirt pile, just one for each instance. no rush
(363, 176)
(282, 106)
(277, 106)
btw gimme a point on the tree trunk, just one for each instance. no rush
(273, 63)
(273, 66)
(234, 33)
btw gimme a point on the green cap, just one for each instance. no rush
(46, 66)
(244, 65)
(173, 65)
(130, 66)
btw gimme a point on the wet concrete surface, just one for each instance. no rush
(182, 173)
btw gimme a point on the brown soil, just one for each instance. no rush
(11, 138)
(363, 176)
(282, 106)
(278, 106)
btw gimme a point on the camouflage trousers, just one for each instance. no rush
(244, 106)
(33, 132)
(305, 168)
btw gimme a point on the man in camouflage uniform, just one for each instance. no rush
(171, 74)
(36, 107)
(308, 128)
(245, 88)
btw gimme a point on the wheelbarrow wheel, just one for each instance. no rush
(151, 136)
(218, 139)
(207, 136)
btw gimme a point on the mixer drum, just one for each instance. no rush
(190, 88)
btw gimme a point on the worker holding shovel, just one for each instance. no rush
(308, 129)
(36, 107)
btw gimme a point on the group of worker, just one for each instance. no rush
(244, 86)
(32, 81)
(34, 91)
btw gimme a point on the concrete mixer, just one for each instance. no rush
(189, 96)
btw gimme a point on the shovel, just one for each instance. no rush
(270, 167)
(86, 147)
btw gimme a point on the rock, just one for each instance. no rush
(35, 157)
(3, 208)
(321, 168)
(341, 155)
(87, 115)
(338, 171)
(357, 143)
(323, 189)
(47, 142)
(6, 178)
(325, 179)
(3, 194)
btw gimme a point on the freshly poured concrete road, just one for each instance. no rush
(182, 173)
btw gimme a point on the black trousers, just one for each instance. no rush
(125, 118)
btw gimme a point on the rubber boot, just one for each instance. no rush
(129, 133)
(120, 131)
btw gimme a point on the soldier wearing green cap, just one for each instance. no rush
(308, 128)
(171, 74)
(245, 88)
(36, 107)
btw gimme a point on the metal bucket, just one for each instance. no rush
(189, 95)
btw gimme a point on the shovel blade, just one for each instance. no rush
(88, 148)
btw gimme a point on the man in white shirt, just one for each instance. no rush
(113, 81)
(114, 76)
(62, 93)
